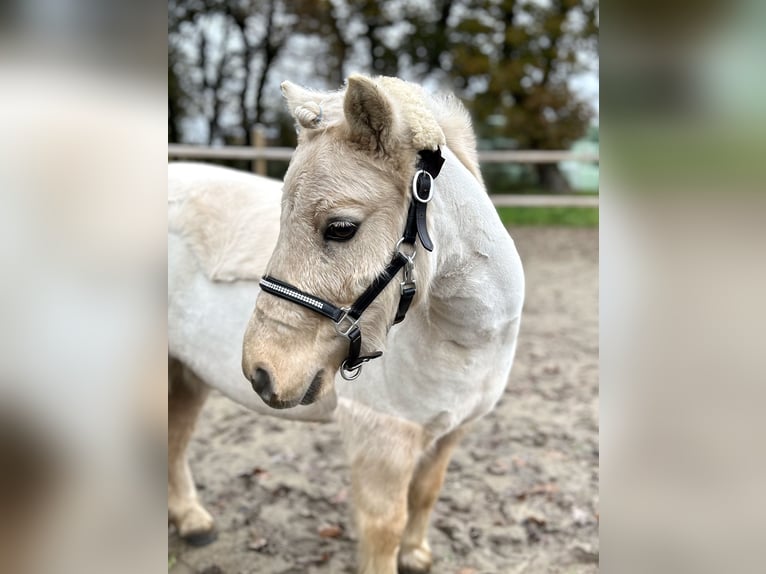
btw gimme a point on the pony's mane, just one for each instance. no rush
(432, 119)
(455, 121)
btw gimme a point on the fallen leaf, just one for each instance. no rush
(313, 560)
(280, 491)
(551, 369)
(538, 519)
(498, 467)
(518, 461)
(257, 544)
(547, 489)
(331, 531)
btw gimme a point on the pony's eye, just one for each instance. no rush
(341, 230)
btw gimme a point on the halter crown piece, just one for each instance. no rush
(346, 319)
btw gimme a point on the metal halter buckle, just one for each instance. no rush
(351, 324)
(350, 374)
(415, 187)
(409, 280)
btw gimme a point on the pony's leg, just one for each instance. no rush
(383, 452)
(415, 553)
(186, 395)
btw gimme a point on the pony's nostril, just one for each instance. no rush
(261, 382)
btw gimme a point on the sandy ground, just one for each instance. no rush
(521, 494)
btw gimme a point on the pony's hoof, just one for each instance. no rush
(194, 525)
(415, 560)
(198, 539)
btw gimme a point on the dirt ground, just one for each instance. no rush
(521, 494)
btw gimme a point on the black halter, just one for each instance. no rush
(346, 319)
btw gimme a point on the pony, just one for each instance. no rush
(387, 297)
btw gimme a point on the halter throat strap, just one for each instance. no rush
(346, 319)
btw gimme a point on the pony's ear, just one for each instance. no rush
(368, 112)
(303, 105)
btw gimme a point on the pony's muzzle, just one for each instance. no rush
(262, 384)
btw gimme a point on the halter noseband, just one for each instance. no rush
(346, 319)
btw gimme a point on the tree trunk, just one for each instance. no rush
(242, 96)
(247, 65)
(549, 176)
(271, 47)
(174, 115)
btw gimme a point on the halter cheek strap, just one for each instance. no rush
(346, 319)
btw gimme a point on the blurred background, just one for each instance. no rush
(527, 71)
(86, 110)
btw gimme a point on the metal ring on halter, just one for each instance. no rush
(350, 374)
(411, 257)
(415, 187)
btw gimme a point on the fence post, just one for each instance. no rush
(259, 142)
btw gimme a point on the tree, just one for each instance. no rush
(511, 61)
(224, 52)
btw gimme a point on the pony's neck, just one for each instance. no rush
(474, 268)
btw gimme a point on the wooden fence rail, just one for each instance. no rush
(181, 151)
(259, 155)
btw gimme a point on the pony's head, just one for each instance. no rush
(344, 207)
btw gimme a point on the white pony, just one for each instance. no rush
(348, 256)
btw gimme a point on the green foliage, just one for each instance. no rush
(511, 61)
